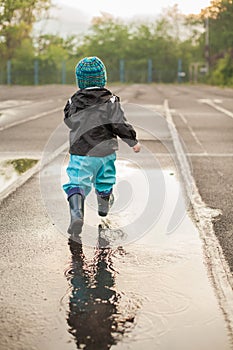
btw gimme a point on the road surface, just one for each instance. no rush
(149, 290)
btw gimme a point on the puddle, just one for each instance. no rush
(11, 169)
(95, 301)
(133, 291)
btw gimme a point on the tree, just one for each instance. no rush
(223, 72)
(220, 19)
(16, 21)
(108, 38)
(163, 41)
(220, 15)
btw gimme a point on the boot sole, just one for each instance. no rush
(102, 214)
(76, 227)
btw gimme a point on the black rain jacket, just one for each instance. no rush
(96, 118)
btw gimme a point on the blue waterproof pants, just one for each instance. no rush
(84, 171)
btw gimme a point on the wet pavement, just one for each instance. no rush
(154, 293)
(136, 280)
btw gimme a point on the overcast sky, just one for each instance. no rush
(129, 8)
(71, 17)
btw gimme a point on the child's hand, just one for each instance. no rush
(137, 148)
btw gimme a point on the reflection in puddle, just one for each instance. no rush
(11, 169)
(94, 316)
(157, 295)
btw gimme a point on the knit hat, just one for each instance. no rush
(90, 71)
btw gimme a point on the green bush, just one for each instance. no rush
(223, 71)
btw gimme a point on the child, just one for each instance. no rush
(95, 118)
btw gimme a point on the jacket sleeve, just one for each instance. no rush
(68, 111)
(119, 123)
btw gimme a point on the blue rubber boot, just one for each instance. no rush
(76, 202)
(104, 203)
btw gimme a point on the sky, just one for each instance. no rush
(71, 17)
(129, 8)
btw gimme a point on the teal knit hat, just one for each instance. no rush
(90, 71)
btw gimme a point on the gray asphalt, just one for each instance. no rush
(28, 237)
(205, 130)
(214, 135)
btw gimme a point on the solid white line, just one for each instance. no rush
(220, 109)
(189, 154)
(204, 154)
(218, 268)
(22, 103)
(28, 174)
(37, 116)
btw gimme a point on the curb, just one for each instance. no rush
(31, 172)
(216, 264)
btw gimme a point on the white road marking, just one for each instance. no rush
(62, 150)
(205, 154)
(37, 116)
(13, 103)
(191, 131)
(218, 268)
(17, 155)
(183, 118)
(218, 108)
(31, 172)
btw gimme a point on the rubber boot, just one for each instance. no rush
(76, 202)
(104, 203)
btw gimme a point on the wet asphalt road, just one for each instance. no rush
(28, 236)
(208, 139)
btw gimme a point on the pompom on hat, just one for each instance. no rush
(90, 72)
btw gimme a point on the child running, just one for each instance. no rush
(95, 118)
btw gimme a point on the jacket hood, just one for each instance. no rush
(87, 97)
